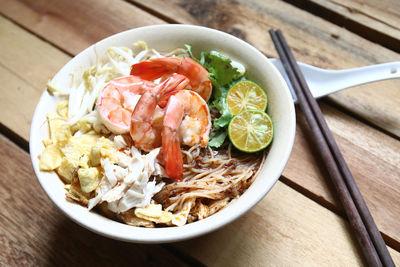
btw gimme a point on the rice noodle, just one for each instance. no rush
(212, 178)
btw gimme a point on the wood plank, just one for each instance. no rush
(372, 157)
(49, 20)
(314, 44)
(317, 42)
(377, 21)
(314, 41)
(24, 72)
(284, 229)
(280, 230)
(33, 232)
(74, 25)
(301, 163)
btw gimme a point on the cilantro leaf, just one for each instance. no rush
(226, 116)
(223, 121)
(219, 67)
(222, 75)
(217, 138)
(189, 51)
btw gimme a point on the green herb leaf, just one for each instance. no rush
(226, 116)
(222, 76)
(223, 121)
(219, 67)
(189, 51)
(217, 138)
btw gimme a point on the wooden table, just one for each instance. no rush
(300, 221)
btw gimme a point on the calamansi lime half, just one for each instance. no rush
(246, 95)
(251, 130)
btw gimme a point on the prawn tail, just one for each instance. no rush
(155, 68)
(149, 70)
(141, 127)
(172, 154)
(171, 86)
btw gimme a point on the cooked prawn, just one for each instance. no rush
(159, 67)
(187, 117)
(117, 100)
(146, 120)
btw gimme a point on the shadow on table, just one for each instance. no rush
(73, 245)
(216, 247)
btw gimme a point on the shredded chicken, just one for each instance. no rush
(134, 188)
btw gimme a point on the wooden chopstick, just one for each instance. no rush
(367, 234)
(362, 208)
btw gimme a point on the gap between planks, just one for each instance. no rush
(169, 18)
(8, 142)
(349, 23)
(303, 190)
(24, 145)
(337, 209)
(335, 104)
(153, 12)
(40, 245)
(37, 35)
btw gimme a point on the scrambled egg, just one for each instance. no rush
(51, 158)
(103, 149)
(59, 128)
(75, 156)
(89, 179)
(78, 149)
(154, 212)
(66, 170)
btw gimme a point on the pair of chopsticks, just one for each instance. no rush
(366, 232)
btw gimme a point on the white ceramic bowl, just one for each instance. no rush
(165, 38)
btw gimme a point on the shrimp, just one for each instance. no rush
(159, 67)
(147, 117)
(187, 117)
(117, 100)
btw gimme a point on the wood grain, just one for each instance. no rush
(274, 230)
(324, 50)
(372, 157)
(24, 72)
(377, 21)
(283, 229)
(366, 144)
(313, 40)
(74, 25)
(33, 232)
(369, 147)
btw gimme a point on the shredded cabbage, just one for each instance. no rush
(82, 96)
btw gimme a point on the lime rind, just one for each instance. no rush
(244, 95)
(251, 131)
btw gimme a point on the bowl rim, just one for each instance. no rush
(166, 234)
